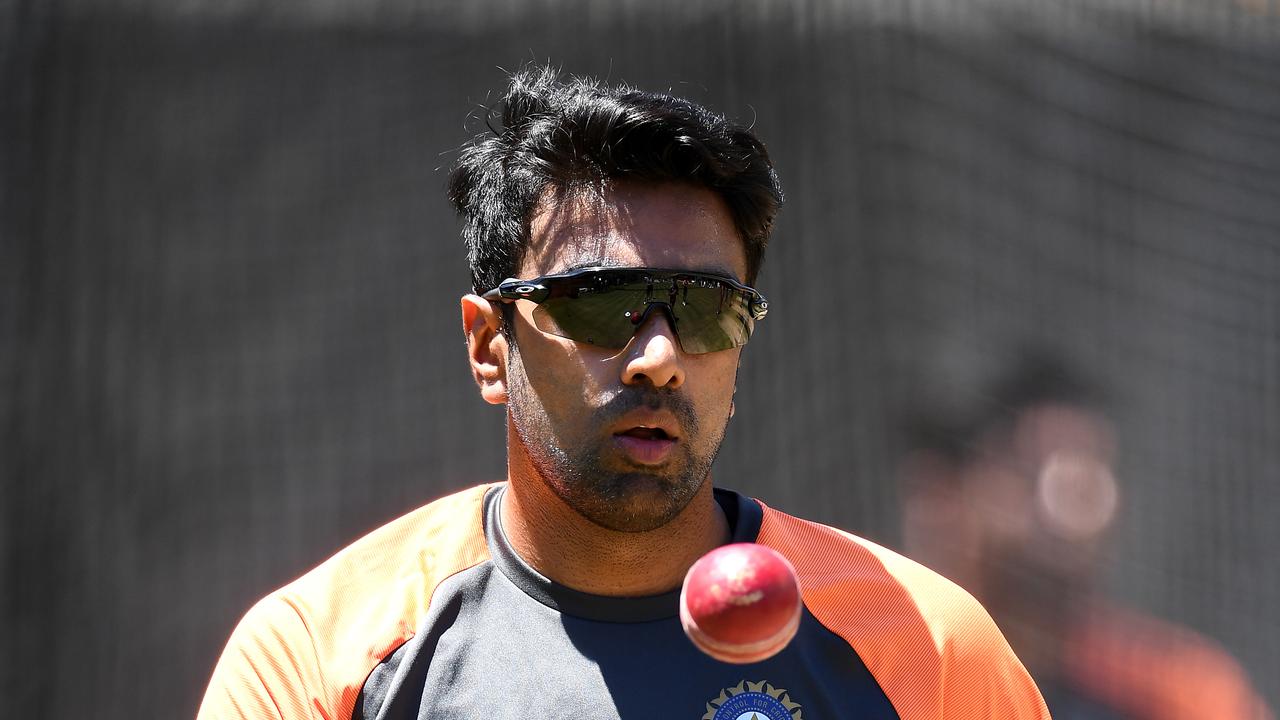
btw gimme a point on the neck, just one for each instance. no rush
(574, 552)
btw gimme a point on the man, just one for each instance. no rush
(1016, 503)
(613, 237)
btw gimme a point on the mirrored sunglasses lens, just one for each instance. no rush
(603, 319)
(708, 319)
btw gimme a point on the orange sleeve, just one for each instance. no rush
(305, 651)
(268, 669)
(1153, 669)
(932, 648)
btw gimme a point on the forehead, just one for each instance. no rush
(669, 225)
(1050, 427)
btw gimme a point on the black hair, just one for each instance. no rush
(579, 133)
(1034, 377)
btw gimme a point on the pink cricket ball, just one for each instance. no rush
(741, 603)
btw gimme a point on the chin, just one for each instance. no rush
(633, 502)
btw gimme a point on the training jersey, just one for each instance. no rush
(436, 616)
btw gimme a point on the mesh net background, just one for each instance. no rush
(229, 340)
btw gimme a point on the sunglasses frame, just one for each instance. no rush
(600, 279)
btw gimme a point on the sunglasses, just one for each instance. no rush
(605, 306)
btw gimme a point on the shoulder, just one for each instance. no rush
(1134, 661)
(839, 560)
(315, 640)
(432, 541)
(932, 648)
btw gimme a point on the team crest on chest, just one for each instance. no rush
(753, 701)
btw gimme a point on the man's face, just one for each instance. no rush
(1028, 514)
(624, 437)
(1044, 496)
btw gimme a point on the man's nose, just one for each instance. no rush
(654, 354)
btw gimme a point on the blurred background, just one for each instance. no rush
(1025, 293)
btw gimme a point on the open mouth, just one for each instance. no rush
(647, 433)
(646, 445)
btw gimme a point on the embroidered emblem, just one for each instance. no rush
(753, 701)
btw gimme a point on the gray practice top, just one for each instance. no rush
(435, 616)
(502, 641)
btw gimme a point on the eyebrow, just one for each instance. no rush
(584, 264)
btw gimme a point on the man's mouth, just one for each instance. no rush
(647, 433)
(645, 445)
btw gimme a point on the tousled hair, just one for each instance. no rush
(580, 134)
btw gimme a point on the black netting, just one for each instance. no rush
(230, 275)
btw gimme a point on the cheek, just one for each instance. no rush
(712, 380)
(559, 373)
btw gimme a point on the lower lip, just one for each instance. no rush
(645, 451)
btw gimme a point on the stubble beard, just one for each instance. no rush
(615, 497)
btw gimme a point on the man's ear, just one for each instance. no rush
(486, 347)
